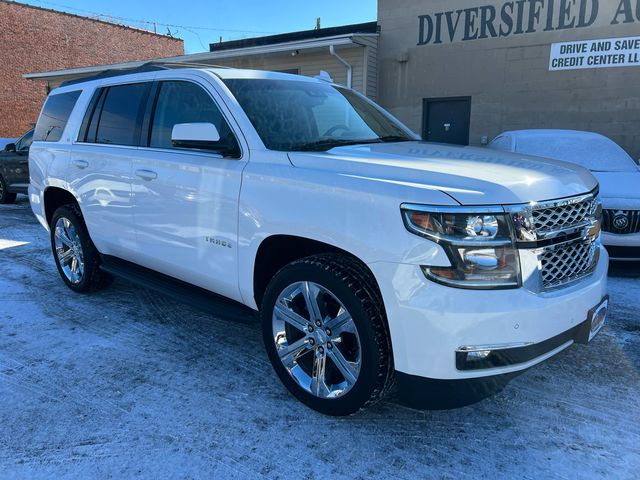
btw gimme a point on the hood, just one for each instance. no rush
(619, 189)
(471, 176)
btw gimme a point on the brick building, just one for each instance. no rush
(38, 39)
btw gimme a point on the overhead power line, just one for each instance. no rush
(151, 23)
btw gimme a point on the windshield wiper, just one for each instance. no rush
(395, 138)
(328, 144)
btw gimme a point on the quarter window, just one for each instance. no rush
(185, 102)
(120, 119)
(54, 116)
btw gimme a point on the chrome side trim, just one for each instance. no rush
(492, 347)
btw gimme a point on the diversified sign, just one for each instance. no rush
(608, 52)
(522, 17)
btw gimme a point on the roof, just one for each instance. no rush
(89, 19)
(222, 72)
(364, 28)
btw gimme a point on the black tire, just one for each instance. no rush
(355, 287)
(5, 195)
(92, 278)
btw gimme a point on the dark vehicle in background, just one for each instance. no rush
(14, 168)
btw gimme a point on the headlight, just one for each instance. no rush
(478, 241)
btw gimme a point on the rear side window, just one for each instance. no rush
(54, 116)
(115, 115)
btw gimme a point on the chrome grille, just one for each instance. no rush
(621, 221)
(562, 234)
(562, 215)
(567, 262)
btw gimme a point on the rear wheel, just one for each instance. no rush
(325, 333)
(73, 251)
(5, 195)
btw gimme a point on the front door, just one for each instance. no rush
(185, 200)
(446, 120)
(14, 166)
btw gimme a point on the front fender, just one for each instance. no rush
(357, 215)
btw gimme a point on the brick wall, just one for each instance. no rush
(34, 40)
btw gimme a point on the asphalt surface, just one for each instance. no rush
(126, 383)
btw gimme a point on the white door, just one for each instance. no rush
(185, 201)
(100, 168)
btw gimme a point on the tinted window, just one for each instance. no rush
(25, 142)
(54, 116)
(121, 114)
(302, 115)
(186, 102)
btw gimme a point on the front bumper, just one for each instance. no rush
(622, 246)
(429, 322)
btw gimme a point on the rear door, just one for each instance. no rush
(101, 162)
(185, 200)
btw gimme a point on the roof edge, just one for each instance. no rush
(316, 34)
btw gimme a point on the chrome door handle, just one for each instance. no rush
(146, 174)
(81, 163)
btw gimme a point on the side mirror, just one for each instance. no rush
(195, 135)
(10, 147)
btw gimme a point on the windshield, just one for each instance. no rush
(594, 153)
(300, 115)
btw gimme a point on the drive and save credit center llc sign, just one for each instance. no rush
(603, 53)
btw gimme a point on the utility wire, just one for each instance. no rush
(145, 22)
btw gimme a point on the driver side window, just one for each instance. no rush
(185, 102)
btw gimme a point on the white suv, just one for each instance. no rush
(372, 257)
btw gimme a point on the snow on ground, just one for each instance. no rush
(126, 383)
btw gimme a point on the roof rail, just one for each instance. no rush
(151, 66)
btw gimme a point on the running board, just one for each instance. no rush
(178, 290)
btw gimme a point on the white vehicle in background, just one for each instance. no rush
(370, 255)
(617, 173)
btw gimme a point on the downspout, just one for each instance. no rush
(332, 51)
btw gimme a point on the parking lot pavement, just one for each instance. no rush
(127, 383)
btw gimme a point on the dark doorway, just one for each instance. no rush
(446, 120)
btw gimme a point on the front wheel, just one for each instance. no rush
(326, 333)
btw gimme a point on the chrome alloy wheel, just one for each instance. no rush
(69, 250)
(316, 340)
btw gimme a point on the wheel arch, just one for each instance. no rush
(54, 198)
(278, 250)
